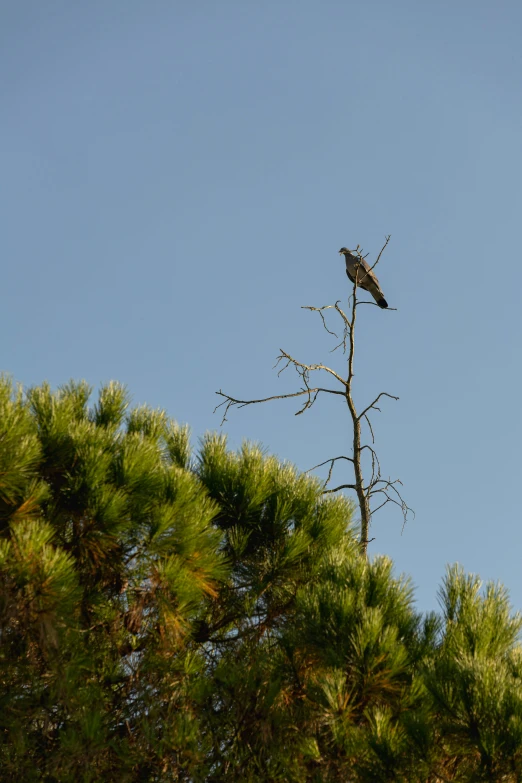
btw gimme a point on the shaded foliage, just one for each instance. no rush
(168, 615)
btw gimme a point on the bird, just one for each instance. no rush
(357, 267)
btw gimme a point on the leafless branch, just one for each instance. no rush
(346, 328)
(372, 404)
(320, 311)
(374, 304)
(329, 476)
(332, 460)
(376, 465)
(387, 482)
(306, 367)
(370, 449)
(398, 500)
(342, 314)
(341, 486)
(383, 248)
(343, 343)
(388, 500)
(370, 426)
(230, 402)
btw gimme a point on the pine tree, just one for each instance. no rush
(108, 555)
(168, 615)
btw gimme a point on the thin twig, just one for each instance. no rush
(341, 486)
(319, 310)
(332, 459)
(374, 304)
(400, 502)
(372, 404)
(306, 367)
(383, 248)
(370, 426)
(229, 402)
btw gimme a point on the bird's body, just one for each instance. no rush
(358, 269)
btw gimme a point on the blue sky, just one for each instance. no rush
(177, 180)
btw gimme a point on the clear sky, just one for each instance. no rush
(177, 178)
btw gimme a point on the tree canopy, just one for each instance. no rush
(177, 615)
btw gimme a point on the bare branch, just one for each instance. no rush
(306, 367)
(341, 486)
(376, 466)
(342, 314)
(387, 482)
(375, 510)
(374, 304)
(230, 402)
(282, 369)
(383, 248)
(332, 459)
(372, 405)
(346, 329)
(369, 448)
(319, 310)
(370, 426)
(399, 501)
(389, 485)
(343, 343)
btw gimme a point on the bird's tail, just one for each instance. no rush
(375, 290)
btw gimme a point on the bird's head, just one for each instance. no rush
(345, 252)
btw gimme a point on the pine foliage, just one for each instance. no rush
(171, 615)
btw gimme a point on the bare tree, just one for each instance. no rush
(372, 494)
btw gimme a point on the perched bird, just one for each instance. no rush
(357, 267)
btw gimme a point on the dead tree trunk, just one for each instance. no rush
(376, 487)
